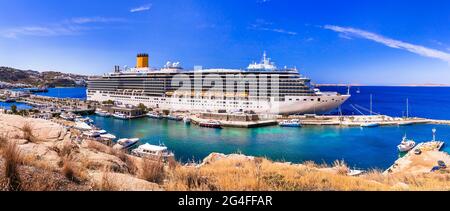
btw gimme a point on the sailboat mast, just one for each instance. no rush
(407, 107)
(371, 113)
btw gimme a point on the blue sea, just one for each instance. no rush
(75, 93)
(20, 106)
(366, 148)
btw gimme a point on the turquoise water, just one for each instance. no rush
(362, 148)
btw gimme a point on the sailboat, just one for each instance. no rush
(406, 123)
(358, 91)
(368, 123)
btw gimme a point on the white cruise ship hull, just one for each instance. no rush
(292, 105)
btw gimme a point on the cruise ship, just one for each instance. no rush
(261, 88)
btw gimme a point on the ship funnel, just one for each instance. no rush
(142, 60)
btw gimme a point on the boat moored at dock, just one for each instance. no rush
(211, 124)
(125, 143)
(406, 145)
(102, 113)
(174, 117)
(266, 89)
(290, 123)
(370, 124)
(155, 115)
(122, 116)
(152, 152)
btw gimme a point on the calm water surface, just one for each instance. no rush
(362, 148)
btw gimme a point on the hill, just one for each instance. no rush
(11, 77)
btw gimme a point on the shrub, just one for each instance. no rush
(152, 171)
(12, 159)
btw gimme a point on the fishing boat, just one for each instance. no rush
(211, 124)
(406, 145)
(173, 117)
(152, 152)
(121, 116)
(125, 143)
(290, 123)
(154, 115)
(370, 124)
(102, 113)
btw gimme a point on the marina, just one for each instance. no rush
(331, 137)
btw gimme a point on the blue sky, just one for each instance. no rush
(368, 42)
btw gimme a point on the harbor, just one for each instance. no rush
(334, 136)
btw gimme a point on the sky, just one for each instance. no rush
(377, 42)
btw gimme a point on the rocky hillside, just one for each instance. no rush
(11, 77)
(42, 155)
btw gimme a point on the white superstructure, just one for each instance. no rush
(262, 88)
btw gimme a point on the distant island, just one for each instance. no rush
(15, 78)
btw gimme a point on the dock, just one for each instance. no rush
(423, 163)
(239, 124)
(354, 121)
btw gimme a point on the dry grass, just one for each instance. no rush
(341, 167)
(3, 140)
(12, 160)
(264, 175)
(130, 163)
(99, 147)
(152, 171)
(107, 183)
(28, 135)
(73, 172)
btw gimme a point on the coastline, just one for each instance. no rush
(54, 153)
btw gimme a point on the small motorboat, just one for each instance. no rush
(91, 134)
(406, 145)
(152, 152)
(187, 120)
(67, 116)
(105, 135)
(370, 124)
(125, 143)
(85, 120)
(82, 126)
(290, 123)
(405, 123)
(102, 113)
(121, 116)
(154, 115)
(174, 118)
(211, 124)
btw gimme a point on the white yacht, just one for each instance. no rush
(152, 152)
(406, 145)
(125, 143)
(102, 113)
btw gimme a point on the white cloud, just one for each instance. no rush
(72, 26)
(263, 25)
(349, 32)
(43, 31)
(86, 20)
(141, 8)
